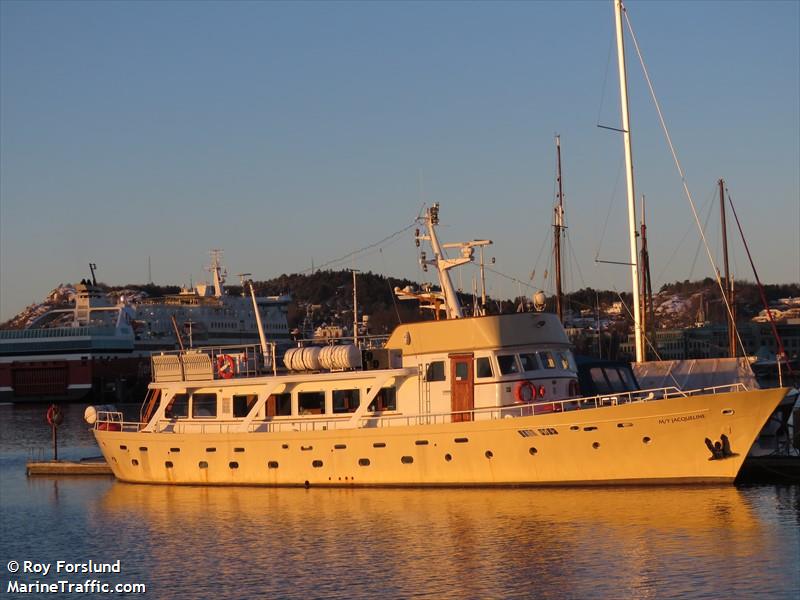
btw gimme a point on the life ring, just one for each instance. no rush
(54, 415)
(524, 392)
(226, 367)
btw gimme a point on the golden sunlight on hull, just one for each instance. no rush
(694, 439)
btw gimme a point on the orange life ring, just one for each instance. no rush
(521, 396)
(226, 367)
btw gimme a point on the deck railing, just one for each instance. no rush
(113, 420)
(57, 332)
(211, 362)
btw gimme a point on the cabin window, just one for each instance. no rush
(311, 403)
(242, 405)
(483, 367)
(547, 359)
(601, 385)
(204, 405)
(628, 380)
(529, 362)
(178, 407)
(435, 371)
(385, 400)
(617, 385)
(508, 364)
(570, 361)
(345, 401)
(283, 404)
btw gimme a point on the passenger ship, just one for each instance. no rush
(103, 348)
(466, 400)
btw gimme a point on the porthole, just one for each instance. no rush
(421, 442)
(134, 462)
(316, 464)
(489, 454)
(596, 445)
(533, 451)
(202, 464)
(273, 464)
(285, 446)
(624, 424)
(363, 462)
(233, 464)
(461, 440)
(123, 447)
(211, 449)
(174, 449)
(142, 448)
(407, 460)
(168, 464)
(590, 428)
(574, 428)
(306, 448)
(728, 412)
(448, 457)
(379, 445)
(339, 446)
(646, 440)
(238, 449)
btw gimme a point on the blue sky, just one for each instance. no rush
(287, 133)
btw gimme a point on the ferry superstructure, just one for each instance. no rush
(468, 400)
(103, 347)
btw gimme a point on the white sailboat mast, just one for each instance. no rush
(626, 133)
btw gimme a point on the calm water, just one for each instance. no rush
(192, 542)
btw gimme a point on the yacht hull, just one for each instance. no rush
(655, 442)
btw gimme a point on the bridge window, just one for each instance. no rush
(508, 364)
(311, 403)
(178, 407)
(483, 367)
(548, 360)
(529, 362)
(345, 401)
(204, 405)
(435, 371)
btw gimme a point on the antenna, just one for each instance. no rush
(558, 228)
(355, 309)
(149, 271)
(92, 268)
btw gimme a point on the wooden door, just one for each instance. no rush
(462, 386)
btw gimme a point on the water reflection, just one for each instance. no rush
(489, 543)
(200, 542)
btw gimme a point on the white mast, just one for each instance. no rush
(626, 133)
(262, 338)
(443, 264)
(217, 272)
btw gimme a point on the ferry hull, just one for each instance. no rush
(659, 442)
(72, 377)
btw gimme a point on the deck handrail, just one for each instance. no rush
(325, 422)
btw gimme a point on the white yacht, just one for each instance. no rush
(465, 400)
